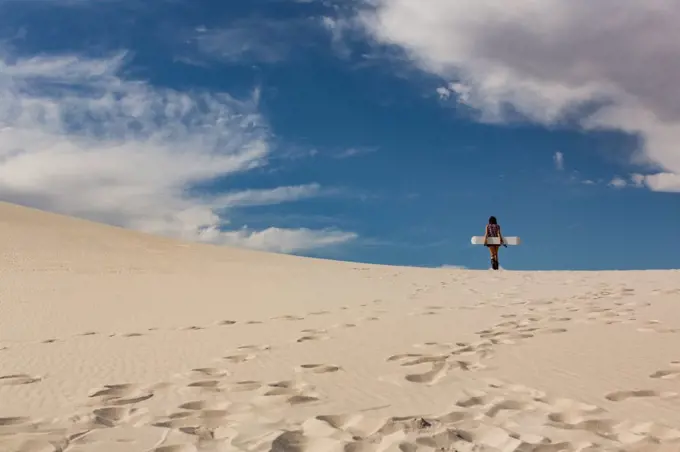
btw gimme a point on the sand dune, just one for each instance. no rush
(113, 340)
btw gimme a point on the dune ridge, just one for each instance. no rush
(114, 340)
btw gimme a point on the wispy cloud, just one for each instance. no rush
(257, 40)
(263, 41)
(77, 137)
(545, 60)
(634, 181)
(354, 152)
(558, 159)
(288, 240)
(338, 29)
(669, 182)
(269, 196)
(618, 182)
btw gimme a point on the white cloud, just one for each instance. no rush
(355, 151)
(444, 92)
(79, 138)
(667, 182)
(287, 240)
(618, 182)
(550, 58)
(337, 29)
(257, 40)
(659, 182)
(558, 158)
(269, 196)
(262, 41)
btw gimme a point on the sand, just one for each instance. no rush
(113, 340)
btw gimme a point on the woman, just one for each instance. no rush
(493, 230)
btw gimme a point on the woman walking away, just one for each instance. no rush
(493, 229)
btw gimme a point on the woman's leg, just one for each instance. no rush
(493, 249)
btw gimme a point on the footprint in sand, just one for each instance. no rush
(414, 359)
(301, 399)
(245, 386)
(200, 405)
(14, 421)
(291, 318)
(313, 335)
(132, 335)
(289, 392)
(620, 396)
(12, 429)
(114, 391)
(131, 400)
(192, 328)
(257, 348)
(211, 372)
(505, 337)
(18, 379)
(364, 433)
(444, 362)
(552, 331)
(113, 416)
(434, 345)
(668, 374)
(482, 349)
(658, 329)
(505, 406)
(436, 373)
(429, 312)
(475, 401)
(243, 356)
(239, 358)
(120, 394)
(205, 384)
(368, 319)
(403, 356)
(318, 368)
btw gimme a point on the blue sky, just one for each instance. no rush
(374, 131)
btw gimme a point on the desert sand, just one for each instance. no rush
(114, 340)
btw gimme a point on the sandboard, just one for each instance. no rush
(479, 240)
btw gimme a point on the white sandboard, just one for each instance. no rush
(479, 240)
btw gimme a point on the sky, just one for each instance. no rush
(378, 131)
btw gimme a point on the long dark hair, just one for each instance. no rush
(492, 220)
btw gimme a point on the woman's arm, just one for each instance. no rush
(500, 235)
(486, 233)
